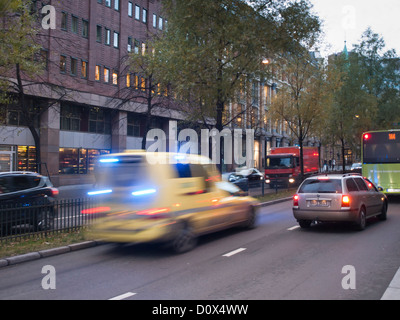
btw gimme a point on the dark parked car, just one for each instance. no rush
(26, 198)
(239, 180)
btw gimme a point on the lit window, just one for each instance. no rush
(115, 78)
(97, 73)
(84, 69)
(106, 75)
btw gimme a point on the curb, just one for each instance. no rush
(47, 253)
(79, 246)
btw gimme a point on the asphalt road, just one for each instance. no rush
(277, 260)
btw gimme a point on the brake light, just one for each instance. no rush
(367, 136)
(296, 200)
(95, 210)
(345, 201)
(154, 213)
(54, 192)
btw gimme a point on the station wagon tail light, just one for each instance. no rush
(345, 201)
(296, 200)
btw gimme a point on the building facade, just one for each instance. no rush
(86, 75)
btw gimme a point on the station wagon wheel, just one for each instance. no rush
(383, 215)
(362, 220)
(185, 240)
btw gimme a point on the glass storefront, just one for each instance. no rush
(79, 160)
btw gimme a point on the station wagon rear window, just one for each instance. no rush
(321, 186)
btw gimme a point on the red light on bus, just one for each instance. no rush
(367, 136)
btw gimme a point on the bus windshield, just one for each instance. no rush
(381, 147)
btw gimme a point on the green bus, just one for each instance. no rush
(381, 159)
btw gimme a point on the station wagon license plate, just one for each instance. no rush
(318, 203)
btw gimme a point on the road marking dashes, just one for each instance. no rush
(230, 254)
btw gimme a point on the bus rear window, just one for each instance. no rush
(380, 148)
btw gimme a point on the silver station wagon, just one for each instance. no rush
(338, 198)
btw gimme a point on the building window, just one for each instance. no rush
(129, 44)
(115, 78)
(107, 39)
(137, 12)
(64, 19)
(79, 160)
(160, 23)
(116, 39)
(74, 66)
(99, 121)
(63, 64)
(74, 24)
(106, 75)
(116, 5)
(128, 80)
(108, 3)
(99, 33)
(97, 73)
(84, 69)
(130, 9)
(85, 28)
(136, 46)
(70, 118)
(154, 20)
(135, 125)
(144, 16)
(26, 159)
(136, 82)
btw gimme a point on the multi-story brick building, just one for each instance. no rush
(85, 77)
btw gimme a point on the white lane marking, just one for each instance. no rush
(293, 228)
(123, 296)
(230, 254)
(393, 291)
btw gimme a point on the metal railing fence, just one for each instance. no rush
(42, 219)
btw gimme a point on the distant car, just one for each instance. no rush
(356, 167)
(26, 198)
(238, 180)
(172, 201)
(336, 198)
(253, 174)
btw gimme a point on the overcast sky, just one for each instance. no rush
(348, 19)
